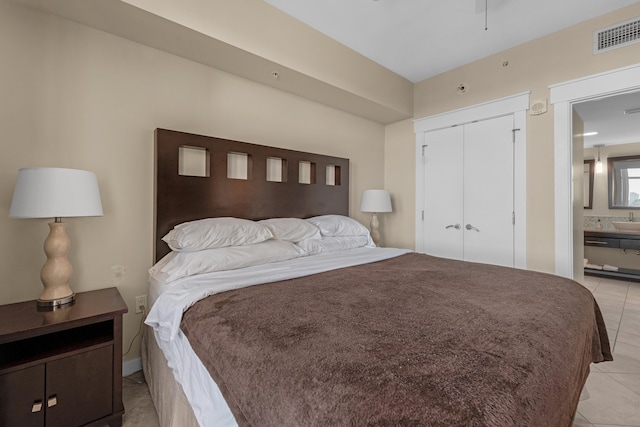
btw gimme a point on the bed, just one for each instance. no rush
(329, 330)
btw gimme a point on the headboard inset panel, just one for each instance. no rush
(180, 198)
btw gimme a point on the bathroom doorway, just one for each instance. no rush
(568, 232)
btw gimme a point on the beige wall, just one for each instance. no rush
(257, 27)
(534, 66)
(399, 172)
(80, 98)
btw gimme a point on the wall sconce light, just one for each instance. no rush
(599, 167)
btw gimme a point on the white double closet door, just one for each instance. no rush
(469, 192)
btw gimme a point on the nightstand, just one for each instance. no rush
(62, 368)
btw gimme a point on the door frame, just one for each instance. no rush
(517, 105)
(562, 97)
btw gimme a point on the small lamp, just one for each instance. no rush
(376, 201)
(55, 193)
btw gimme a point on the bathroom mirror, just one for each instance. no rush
(588, 183)
(624, 182)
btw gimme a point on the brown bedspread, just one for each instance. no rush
(411, 341)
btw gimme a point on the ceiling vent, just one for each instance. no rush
(619, 35)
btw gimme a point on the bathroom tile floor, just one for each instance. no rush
(612, 393)
(611, 396)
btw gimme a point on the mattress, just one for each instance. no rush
(171, 404)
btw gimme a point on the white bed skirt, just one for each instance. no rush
(167, 395)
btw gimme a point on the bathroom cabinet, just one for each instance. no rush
(614, 240)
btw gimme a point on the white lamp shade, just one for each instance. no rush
(375, 201)
(55, 192)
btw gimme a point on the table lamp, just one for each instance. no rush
(376, 201)
(55, 193)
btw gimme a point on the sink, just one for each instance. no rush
(627, 226)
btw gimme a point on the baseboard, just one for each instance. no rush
(131, 366)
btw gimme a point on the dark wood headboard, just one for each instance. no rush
(180, 198)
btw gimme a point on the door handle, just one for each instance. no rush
(456, 226)
(37, 406)
(471, 227)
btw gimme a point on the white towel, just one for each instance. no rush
(586, 261)
(608, 267)
(593, 267)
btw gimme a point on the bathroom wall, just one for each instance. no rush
(600, 188)
(605, 215)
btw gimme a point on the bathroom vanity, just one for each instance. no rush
(627, 241)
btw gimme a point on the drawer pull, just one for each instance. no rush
(596, 242)
(52, 401)
(37, 406)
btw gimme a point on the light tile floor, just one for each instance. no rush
(612, 393)
(138, 406)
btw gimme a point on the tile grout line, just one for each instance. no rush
(624, 304)
(626, 295)
(585, 418)
(622, 384)
(619, 323)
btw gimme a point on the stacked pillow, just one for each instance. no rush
(217, 244)
(213, 233)
(291, 229)
(338, 233)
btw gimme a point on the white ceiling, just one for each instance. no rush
(418, 39)
(606, 116)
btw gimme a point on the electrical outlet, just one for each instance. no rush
(141, 303)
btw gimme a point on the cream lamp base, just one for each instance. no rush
(375, 233)
(56, 272)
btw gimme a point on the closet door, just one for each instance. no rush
(488, 191)
(443, 183)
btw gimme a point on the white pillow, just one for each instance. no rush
(177, 265)
(216, 233)
(334, 244)
(338, 225)
(291, 229)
